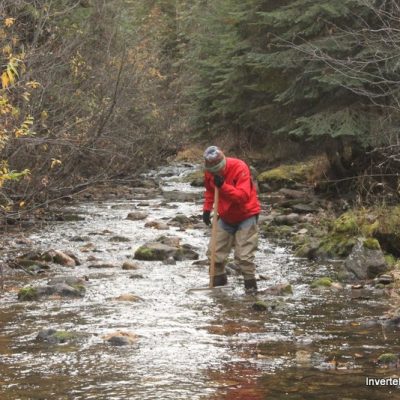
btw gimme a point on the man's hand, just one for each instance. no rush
(206, 217)
(218, 180)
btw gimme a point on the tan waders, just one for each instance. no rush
(244, 239)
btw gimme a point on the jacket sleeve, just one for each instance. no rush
(241, 191)
(208, 194)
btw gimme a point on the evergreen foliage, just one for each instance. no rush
(311, 69)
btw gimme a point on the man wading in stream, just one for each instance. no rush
(238, 211)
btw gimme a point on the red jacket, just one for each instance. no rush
(237, 196)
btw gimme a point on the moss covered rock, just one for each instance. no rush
(364, 262)
(156, 251)
(371, 244)
(146, 254)
(321, 282)
(288, 175)
(28, 294)
(53, 336)
(346, 224)
(196, 178)
(260, 306)
(387, 358)
(336, 246)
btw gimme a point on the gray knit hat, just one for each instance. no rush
(214, 159)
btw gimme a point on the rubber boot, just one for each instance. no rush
(250, 286)
(220, 280)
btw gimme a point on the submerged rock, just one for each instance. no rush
(28, 294)
(59, 257)
(282, 289)
(137, 216)
(166, 248)
(160, 225)
(129, 266)
(119, 239)
(102, 265)
(62, 287)
(39, 258)
(388, 358)
(121, 338)
(154, 252)
(260, 306)
(129, 297)
(53, 336)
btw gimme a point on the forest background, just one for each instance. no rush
(98, 90)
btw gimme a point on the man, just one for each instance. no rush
(238, 211)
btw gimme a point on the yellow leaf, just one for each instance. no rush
(55, 162)
(21, 204)
(9, 22)
(33, 84)
(11, 77)
(26, 96)
(5, 81)
(6, 50)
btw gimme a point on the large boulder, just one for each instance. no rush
(288, 176)
(366, 260)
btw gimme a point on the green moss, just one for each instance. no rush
(387, 358)
(321, 282)
(144, 253)
(288, 174)
(391, 260)
(259, 306)
(346, 223)
(196, 178)
(337, 245)
(389, 220)
(303, 251)
(63, 336)
(119, 239)
(287, 289)
(368, 230)
(80, 288)
(371, 244)
(28, 294)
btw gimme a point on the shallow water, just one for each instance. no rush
(191, 345)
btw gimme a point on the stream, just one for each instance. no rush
(191, 345)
